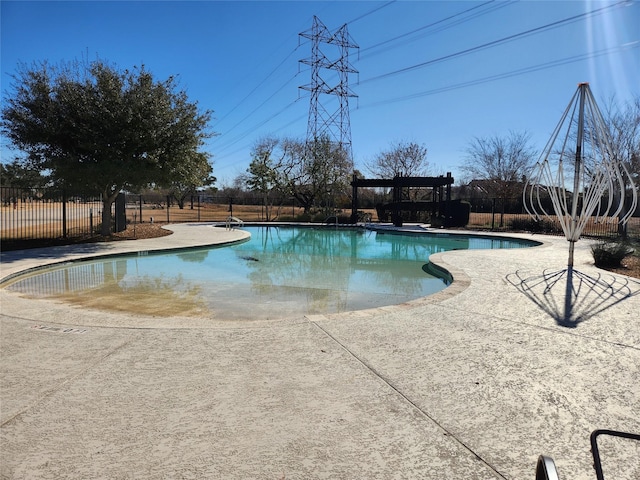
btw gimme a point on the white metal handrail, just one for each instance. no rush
(231, 220)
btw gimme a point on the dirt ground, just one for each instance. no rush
(630, 266)
(140, 231)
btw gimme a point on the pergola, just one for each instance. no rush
(397, 183)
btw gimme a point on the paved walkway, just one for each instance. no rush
(472, 383)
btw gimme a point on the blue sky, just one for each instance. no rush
(438, 73)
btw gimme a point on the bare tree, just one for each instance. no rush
(498, 164)
(406, 159)
(624, 132)
(403, 159)
(623, 125)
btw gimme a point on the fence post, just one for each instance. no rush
(64, 214)
(120, 212)
(140, 199)
(493, 214)
(168, 203)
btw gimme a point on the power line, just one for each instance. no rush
(371, 11)
(263, 80)
(242, 135)
(494, 43)
(512, 73)
(234, 140)
(223, 147)
(522, 71)
(424, 27)
(257, 86)
(360, 17)
(247, 145)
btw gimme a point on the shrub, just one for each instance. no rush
(610, 254)
(534, 226)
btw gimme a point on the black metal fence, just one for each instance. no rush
(508, 215)
(27, 214)
(214, 208)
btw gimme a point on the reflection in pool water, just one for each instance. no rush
(280, 272)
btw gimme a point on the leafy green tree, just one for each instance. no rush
(189, 175)
(19, 175)
(101, 130)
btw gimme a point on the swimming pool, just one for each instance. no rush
(280, 272)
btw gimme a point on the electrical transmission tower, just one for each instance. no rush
(323, 120)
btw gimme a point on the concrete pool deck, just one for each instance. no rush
(472, 383)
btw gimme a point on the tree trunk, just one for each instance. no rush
(105, 228)
(107, 202)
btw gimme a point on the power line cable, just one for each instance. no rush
(239, 136)
(245, 146)
(371, 11)
(434, 30)
(462, 85)
(266, 78)
(242, 135)
(512, 73)
(495, 43)
(257, 86)
(404, 35)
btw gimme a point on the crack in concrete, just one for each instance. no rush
(404, 396)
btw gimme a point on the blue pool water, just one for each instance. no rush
(280, 272)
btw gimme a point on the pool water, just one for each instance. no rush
(280, 272)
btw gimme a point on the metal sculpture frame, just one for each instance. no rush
(599, 180)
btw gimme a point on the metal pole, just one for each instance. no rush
(64, 214)
(576, 177)
(493, 214)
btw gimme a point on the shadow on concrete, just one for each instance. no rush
(53, 253)
(570, 296)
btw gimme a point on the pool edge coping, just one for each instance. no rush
(460, 280)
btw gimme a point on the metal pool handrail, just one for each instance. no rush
(231, 220)
(546, 467)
